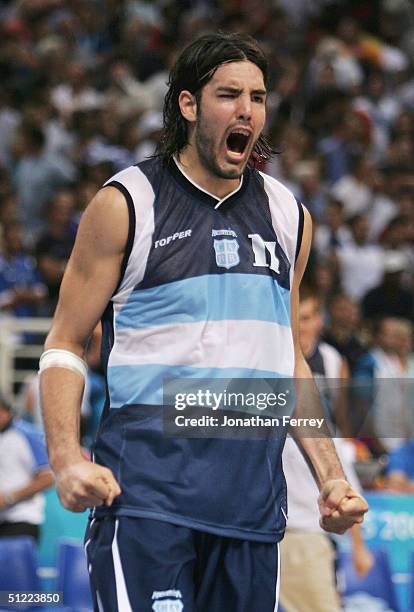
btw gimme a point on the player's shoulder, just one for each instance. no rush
(139, 183)
(275, 187)
(136, 173)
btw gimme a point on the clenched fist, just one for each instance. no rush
(340, 506)
(84, 484)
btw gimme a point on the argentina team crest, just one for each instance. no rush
(226, 249)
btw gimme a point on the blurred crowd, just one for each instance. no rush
(83, 84)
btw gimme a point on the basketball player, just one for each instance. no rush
(193, 261)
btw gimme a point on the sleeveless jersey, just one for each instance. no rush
(204, 293)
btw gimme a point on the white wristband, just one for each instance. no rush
(60, 358)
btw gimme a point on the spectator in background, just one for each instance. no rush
(21, 288)
(353, 189)
(347, 139)
(107, 146)
(381, 378)
(394, 234)
(390, 298)
(307, 173)
(323, 275)
(333, 65)
(397, 237)
(8, 210)
(24, 475)
(405, 205)
(149, 129)
(343, 329)
(37, 176)
(360, 262)
(130, 96)
(400, 469)
(84, 190)
(76, 93)
(55, 245)
(368, 49)
(294, 142)
(382, 107)
(332, 233)
(9, 122)
(383, 207)
(404, 348)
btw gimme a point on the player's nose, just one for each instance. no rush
(244, 109)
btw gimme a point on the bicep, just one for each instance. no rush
(93, 271)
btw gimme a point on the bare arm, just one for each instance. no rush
(361, 556)
(339, 505)
(398, 482)
(90, 279)
(320, 452)
(41, 481)
(341, 412)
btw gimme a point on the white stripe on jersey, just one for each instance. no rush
(285, 215)
(99, 600)
(120, 586)
(142, 194)
(277, 579)
(259, 345)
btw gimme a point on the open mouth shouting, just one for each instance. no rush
(237, 143)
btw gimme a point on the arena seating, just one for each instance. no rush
(73, 577)
(18, 560)
(19, 572)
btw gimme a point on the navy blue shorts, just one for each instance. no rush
(140, 565)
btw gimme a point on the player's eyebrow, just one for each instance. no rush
(259, 92)
(224, 89)
(238, 90)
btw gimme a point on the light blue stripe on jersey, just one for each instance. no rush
(215, 297)
(137, 384)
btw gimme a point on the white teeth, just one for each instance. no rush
(242, 132)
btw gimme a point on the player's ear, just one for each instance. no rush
(188, 106)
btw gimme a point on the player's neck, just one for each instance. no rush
(191, 164)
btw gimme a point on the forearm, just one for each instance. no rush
(322, 459)
(40, 482)
(319, 452)
(61, 393)
(356, 537)
(361, 555)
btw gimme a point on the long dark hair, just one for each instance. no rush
(194, 68)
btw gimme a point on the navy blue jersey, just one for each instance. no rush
(205, 293)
